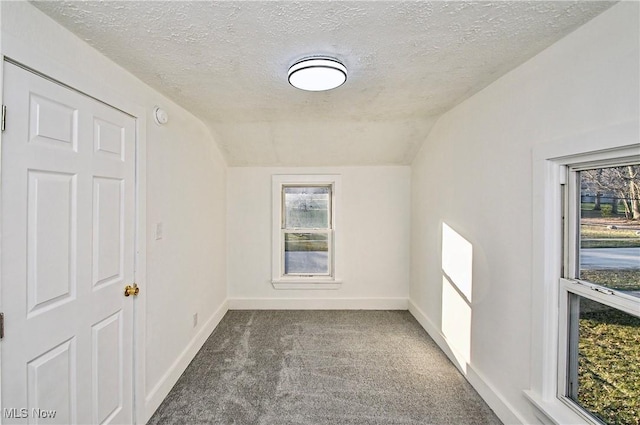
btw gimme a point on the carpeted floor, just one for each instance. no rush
(321, 367)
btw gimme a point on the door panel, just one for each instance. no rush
(51, 237)
(107, 368)
(108, 249)
(52, 123)
(51, 383)
(68, 179)
(109, 139)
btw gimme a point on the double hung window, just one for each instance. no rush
(599, 361)
(304, 229)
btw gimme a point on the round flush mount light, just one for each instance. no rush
(317, 74)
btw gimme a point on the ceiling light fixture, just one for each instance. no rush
(317, 74)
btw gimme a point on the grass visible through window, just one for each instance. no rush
(609, 364)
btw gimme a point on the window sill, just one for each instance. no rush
(309, 283)
(554, 411)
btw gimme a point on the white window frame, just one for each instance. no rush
(328, 231)
(548, 343)
(279, 279)
(571, 284)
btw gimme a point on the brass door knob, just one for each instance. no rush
(131, 290)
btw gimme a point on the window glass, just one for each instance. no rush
(307, 207)
(610, 227)
(306, 253)
(605, 361)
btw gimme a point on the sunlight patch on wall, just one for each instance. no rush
(457, 260)
(457, 267)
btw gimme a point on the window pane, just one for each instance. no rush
(607, 365)
(307, 207)
(610, 227)
(306, 253)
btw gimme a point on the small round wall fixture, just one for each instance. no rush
(318, 73)
(160, 116)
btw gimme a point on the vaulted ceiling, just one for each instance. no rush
(408, 62)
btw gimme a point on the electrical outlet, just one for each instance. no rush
(195, 319)
(159, 231)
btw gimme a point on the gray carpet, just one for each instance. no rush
(321, 367)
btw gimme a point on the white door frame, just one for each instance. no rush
(18, 53)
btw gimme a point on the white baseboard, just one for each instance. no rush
(169, 379)
(318, 304)
(501, 407)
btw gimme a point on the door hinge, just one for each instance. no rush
(1, 325)
(4, 118)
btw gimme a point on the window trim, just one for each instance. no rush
(300, 281)
(549, 172)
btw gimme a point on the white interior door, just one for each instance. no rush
(68, 171)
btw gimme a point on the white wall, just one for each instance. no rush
(474, 173)
(373, 231)
(185, 189)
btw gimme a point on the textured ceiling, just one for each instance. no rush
(408, 63)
